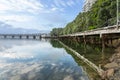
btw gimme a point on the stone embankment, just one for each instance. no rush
(112, 69)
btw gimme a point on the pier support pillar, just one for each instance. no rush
(34, 37)
(40, 37)
(20, 37)
(84, 39)
(13, 37)
(5, 36)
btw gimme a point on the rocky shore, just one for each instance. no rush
(112, 69)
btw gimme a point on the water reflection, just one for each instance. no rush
(37, 60)
(95, 53)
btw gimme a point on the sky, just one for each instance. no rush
(42, 15)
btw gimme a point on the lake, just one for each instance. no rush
(43, 59)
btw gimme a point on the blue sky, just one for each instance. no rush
(39, 14)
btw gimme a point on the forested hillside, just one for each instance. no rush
(102, 13)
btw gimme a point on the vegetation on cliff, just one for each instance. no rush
(102, 13)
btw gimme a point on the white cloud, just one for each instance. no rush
(71, 3)
(29, 6)
(54, 9)
(64, 3)
(31, 14)
(3, 7)
(20, 5)
(16, 18)
(61, 2)
(57, 3)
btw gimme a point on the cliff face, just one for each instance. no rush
(88, 4)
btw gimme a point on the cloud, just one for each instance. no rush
(14, 56)
(64, 3)
(16, 18)
(54, 9)
(29, 6)
(20, 5)
(8, 29)
(33, 14)
(71, 3)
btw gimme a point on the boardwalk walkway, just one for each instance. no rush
(99, 31)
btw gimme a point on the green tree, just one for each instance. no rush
(102, 13)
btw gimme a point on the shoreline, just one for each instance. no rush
(112, 68)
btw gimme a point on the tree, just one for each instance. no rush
(102, 13)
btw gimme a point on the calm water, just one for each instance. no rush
(38, 60)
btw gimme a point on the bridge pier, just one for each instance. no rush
(20, 37)
(5, 36)
(40, 37)
(34, 37)
(13, 37)
(27, 37)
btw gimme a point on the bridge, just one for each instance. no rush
(24, 36)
